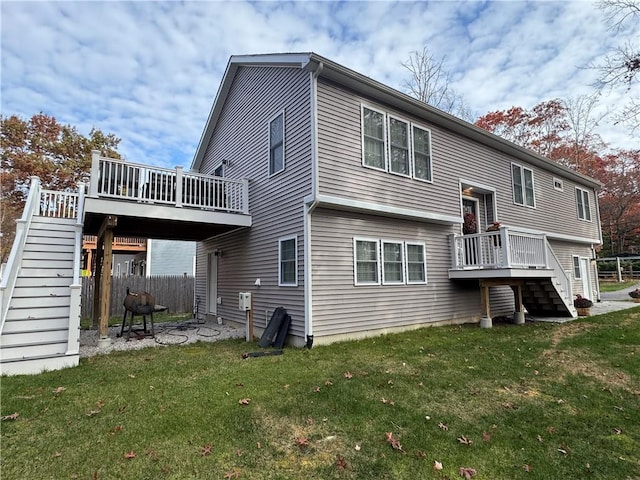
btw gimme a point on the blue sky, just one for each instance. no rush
(149, 71)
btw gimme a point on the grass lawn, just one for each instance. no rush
(539, 401)
(615, 286)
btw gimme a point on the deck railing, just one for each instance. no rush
(58, 204)
(143, 183)
(503, 248)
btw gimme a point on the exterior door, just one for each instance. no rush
(586, 277)
(470, 215)
(212, 283)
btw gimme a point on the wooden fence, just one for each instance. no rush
(174, 292)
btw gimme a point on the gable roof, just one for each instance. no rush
(366, 86)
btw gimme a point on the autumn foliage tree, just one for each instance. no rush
(58, 154)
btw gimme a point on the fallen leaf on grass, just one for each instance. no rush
(540, 439)
(420, 454)
(13, 416)
(617, 431)
(100, 403)
(57, 455)
(341, 463)
(467, 472)
(302, 442)
(59, 390)
(562, 451)
(394, 442)
(551, 429)
(437, 465)
(357, 447)
(130, 454)
(527, 468)
(232, 474)
(443, 426)
(348, 375)
(206, 450)
(131, 375)
(317, 390)
(486, 436)
(310, 421)
(258, 445)
(328, 383)
(244, 401)
(91, 413)
(239, 452)
(122, 409)
(464, 440)
(507, 405)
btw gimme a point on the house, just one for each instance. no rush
(126, 251)
(169, 257)
(358, 195)
(357, 208)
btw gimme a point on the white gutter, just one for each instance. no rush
(309, 205)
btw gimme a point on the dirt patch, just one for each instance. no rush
(568, 330)
(580, 363)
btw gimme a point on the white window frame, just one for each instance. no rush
(577, 272)
(389, 145)
(271, 120)
(523, 187)
(355, 261)
(424, 262)
(558, 184)
(402, 262)
(295, 260)
(585, 203)
(413, 154)
(384, 137)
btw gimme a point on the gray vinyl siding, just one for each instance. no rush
(565, 252)
(340, 307)
(257, 95)
(171, 257)
(454, 157)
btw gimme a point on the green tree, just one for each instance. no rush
(41, 146)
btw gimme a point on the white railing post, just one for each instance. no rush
(95, 174)
(506, 247)
(545, 255)
(454, 251)
(245, 196)
(73, 339)
(179, 187)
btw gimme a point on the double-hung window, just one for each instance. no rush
(276, 144)
(399, 147)
(373, 133)
(393, 263)
(366, 262)
(582, 199)
(577, 274)
(416, 263)
(523, 192)
(421, 153)
(287, 264)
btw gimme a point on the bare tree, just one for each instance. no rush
(430, 82)
(621, 66)
(582, 120)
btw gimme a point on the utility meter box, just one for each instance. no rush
(244, 301)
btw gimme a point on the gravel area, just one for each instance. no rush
(172, 333)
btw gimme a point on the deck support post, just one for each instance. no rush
(97, 276)
(518, 315)
(485, 321)
(105, 236)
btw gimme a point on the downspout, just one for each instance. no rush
(595, 195)
(310, 204)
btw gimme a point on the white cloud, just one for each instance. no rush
(149, 71)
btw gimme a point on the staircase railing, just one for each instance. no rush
(14, 263)
(562, 278)
(75, 289)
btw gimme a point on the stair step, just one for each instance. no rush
(58, 264)
(38, 349)
(38, 364)
(28, 292)
(38, 240)
(44, 272)
(43, 247)
(36, 232)
(53, 220)
(49, 256)
(34, 337)
(32, 302)
(43, 282)
(37, 313)
(26, 325)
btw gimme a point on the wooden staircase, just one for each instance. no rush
(546, 297)
(41, 290)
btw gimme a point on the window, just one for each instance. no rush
(557, 184)
(523, 193)
(288, 268)
(576, 268)
(276, 144)
(421, 153)
(373, 145)
(393, 263)
(399, 147)
(584, 210)
(366, 264)
(416, 263)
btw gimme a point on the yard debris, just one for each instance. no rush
(443, 426)
(527, 468)
(130, 454)
(302, 442)
(464, 440)
(206, 449)
(437, 466)
(348, 375)
(467, 472)
(244, 401)
(59, 390)
(394, 442)
(13, 416)
(232, 474)
(486, 436)
(341, 463)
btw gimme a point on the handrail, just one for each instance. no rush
(561, 275)
(14, 263)
(118, 179)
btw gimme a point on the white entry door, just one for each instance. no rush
(212, 283)
(586, 277)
